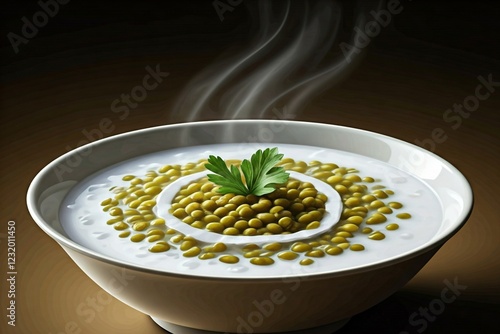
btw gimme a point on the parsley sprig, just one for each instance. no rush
(260, 174)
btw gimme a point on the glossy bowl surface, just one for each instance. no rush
(291, 301)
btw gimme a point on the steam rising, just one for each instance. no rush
(292, 60)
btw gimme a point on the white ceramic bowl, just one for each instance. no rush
(295, 301)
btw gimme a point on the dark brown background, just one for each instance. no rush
(64, 79)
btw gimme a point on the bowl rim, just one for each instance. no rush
(67, 243)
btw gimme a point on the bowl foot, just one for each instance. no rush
(176, 329)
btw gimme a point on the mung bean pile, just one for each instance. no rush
(292, 207)
(368, 210)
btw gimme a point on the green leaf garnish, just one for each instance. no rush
(261, 174)
(229, 180)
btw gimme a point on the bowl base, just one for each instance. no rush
(176, 329)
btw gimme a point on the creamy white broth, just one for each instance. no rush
(84, 220)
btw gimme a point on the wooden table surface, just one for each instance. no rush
(63, 83)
